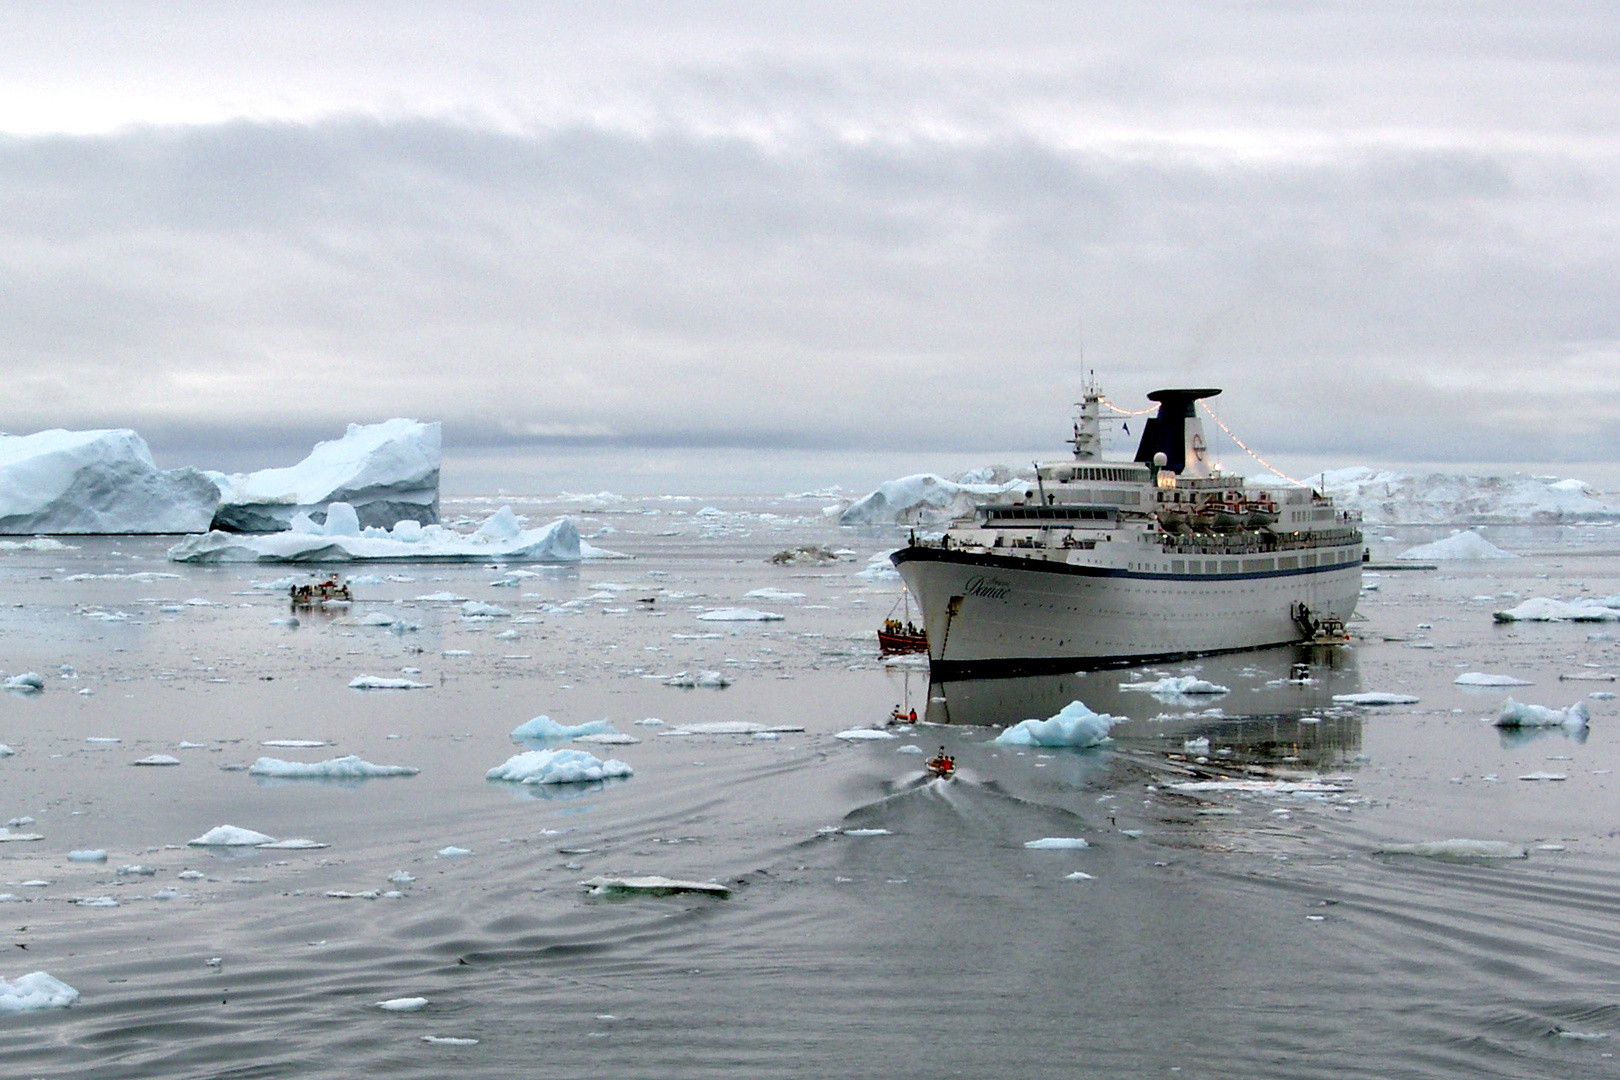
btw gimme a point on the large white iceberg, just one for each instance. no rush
(923, 499)
(1547, 609)
(388, 472)
(1074, 725)
(342, 539)
(36, 990)
(1391, 498)
(557, 767)
(1462, 545)
(97, 482)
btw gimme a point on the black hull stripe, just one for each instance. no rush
(947, 670)
(1045, 566)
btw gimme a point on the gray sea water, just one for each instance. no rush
(877, 924)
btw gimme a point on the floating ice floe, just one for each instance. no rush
(38, 543)
(293, 843)
(90, 855)
(97, 482)
(652, 886)
(710, 680)
(737, 614)
(1544, 775)
(861, 734)
(1075, 725)
(158, 759)
(1260, 787)
(771, 593)
(33, 991)
(924, 499)
(1481, 678)
(452, 852)
(1057, 843)
(1172, 687)
(388, 472)
(1375, 697)
(558, 767)
(1390, 498)
(341, 539)
(1547, 609)
(544, 727)
(448, 1040)
(728, 727)
(7, 836)
(474, 609)
(230, 836)
(1515, 714)
(378, 682)
(403, 1004)
(1459, 546)
(349, 767)
(27, 682)
(1458, 849)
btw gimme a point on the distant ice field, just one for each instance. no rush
(1317, 896)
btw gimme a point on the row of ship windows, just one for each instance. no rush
(1243, 566)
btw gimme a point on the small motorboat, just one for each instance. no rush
(902, 637)
(941, 766)
(330, 591)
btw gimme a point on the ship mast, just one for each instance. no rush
(1087, 440)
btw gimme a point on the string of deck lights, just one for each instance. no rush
(1264, 463)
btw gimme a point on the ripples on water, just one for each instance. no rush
(1220, 933)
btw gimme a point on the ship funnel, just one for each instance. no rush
(1177, 432)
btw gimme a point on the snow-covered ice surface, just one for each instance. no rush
(388, 472)
(1238, 833)
(97, 482)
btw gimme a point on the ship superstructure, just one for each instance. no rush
(1097, 563)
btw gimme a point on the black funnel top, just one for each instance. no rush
(1168, 430)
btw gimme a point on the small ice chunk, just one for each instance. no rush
(1375, 697)
(36, 990)
(1079, 875)
(1196, 746)
(403, 1004)
(378, 682)
(909, 748)
(1543, 775)
(26, 682)
(6, 751)
(1057, 843)
(96, 901)
(867, 832)
(295, 744)
(157, 759)
(452, 852)
(652, 886)
(860, 734)
(772, 593)
(711, 680)
(1173, 686)
(739, 615)
(1457, 849)
(474, 609)
(1074, 725)
(294, 843)
(448, 1040)
(230, 836)
(96, 855)
(400, 877)
(1517, 715)
(1481, 678)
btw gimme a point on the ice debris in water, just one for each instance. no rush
(1458, 849)
(95, 855)
(403, 1004)
(350, 767)
(158, 759)
(378, 682)
(710, 680)
(1481, 678)
(6, 751)
(544, 727)
(1057, 843)
(1547, 609)
(652, 886)
(448, 1040)
(1375, 697)
(474, 609)
(728, 727)
(28, 681)
(739, 615)
(558, 767)
(1459, 545)
(36, 990)
(859, 734)
(773, 593)
(230, 836)
(1075, 725)
(1172, 687)
(1516, 715)
(1079, 875)
(452, 852)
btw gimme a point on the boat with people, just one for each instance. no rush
(897, 637)
(1099, 563)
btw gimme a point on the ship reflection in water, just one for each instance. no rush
(1275, 713)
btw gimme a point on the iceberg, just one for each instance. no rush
(1546, 609)
(1171, 687)
(27, 682)
(1391, 498)
(350, 767)
(36, 990)
(1075, 725)
(230, 836)
(1516, 714)
(388, 472)
(544, 727)
(340, 539)
(85, 482)
(924, 499)
(557, 767)
(1459, 546)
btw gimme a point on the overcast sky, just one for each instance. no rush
(1387, 230)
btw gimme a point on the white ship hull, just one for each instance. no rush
(1006, 614)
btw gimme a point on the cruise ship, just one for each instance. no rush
(1099, 563)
